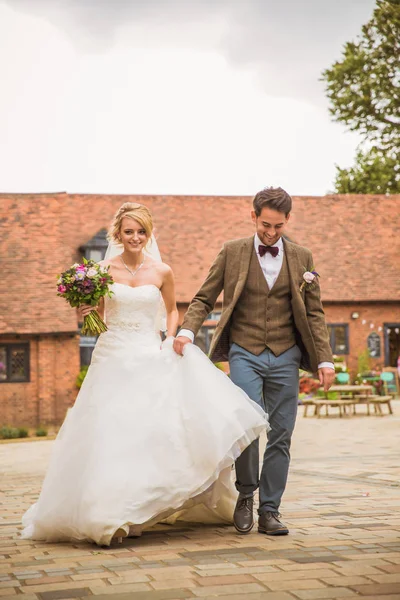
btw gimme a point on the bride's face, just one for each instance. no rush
(133, 235)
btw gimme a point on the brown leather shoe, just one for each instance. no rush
(243, 518)
(269, 523)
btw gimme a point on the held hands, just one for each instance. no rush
(179, 344)
(326, 377)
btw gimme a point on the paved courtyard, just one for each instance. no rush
(342, 506)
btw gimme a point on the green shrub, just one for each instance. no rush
(41, 432)
(12, 433)
(8, 433)
(81, 376)
(364, 363)
(338, 359)
(329, 396)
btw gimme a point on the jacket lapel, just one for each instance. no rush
(245, 257)
(296, 270)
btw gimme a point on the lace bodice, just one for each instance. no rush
(132, 308)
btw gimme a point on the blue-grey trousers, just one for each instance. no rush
(273, 382)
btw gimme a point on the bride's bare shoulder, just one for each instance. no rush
(161, 268)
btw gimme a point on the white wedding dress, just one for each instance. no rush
(152, 435)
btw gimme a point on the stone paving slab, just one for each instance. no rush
(342, 506)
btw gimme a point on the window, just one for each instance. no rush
(14, 363)
(95, 248)
(339, 338)
(204, 337)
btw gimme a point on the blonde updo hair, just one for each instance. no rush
(140, 213)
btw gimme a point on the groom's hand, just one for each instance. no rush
(326, 377)
(179, 344)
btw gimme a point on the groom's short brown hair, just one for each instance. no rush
(275, 198)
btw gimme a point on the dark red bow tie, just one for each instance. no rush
(271, 249)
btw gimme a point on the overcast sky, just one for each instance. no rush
(166, 97)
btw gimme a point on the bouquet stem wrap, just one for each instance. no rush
(93, 324)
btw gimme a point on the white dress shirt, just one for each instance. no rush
(271, 267)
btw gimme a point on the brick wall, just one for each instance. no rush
(54, 365)
(376, 314)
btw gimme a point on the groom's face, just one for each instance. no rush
(270, 225)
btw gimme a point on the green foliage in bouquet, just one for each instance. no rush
(86, 283)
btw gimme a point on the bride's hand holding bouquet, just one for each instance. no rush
(86, 284)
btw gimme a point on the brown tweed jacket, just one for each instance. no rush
(229, 272)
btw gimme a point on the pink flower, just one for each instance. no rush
(308, 277)
(62, 289)
(80, 268)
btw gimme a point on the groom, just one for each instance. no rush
(272, 323)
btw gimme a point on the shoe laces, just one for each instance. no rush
(246, 503)
(276, 515)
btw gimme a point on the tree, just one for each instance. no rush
(373, 173)
(364, 93)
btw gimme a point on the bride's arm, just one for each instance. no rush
(168, 294)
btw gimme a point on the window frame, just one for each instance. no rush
(98, 243)
(332, 338)
(10, 346)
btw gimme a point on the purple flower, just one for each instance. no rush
(79, 275)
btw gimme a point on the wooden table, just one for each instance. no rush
(348, 396)
(350, 389)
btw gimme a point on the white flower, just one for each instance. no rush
(308, 277)
(59, 281)
(92, 272)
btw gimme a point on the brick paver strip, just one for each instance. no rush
(156, 595)
(61, 594)
(339, 546)
(377, 589)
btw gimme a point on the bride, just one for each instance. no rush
(152, 435)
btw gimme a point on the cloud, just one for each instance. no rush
(284, 45)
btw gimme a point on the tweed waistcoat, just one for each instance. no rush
(263, 318)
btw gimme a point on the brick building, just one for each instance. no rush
(355, 241)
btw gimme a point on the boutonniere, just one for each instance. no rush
(309, 279)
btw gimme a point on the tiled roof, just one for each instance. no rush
(355, 241)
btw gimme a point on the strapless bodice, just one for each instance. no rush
(132, 308)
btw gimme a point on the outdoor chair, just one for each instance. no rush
(389, 383)
(343, 378)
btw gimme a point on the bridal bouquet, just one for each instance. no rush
(86, 283)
